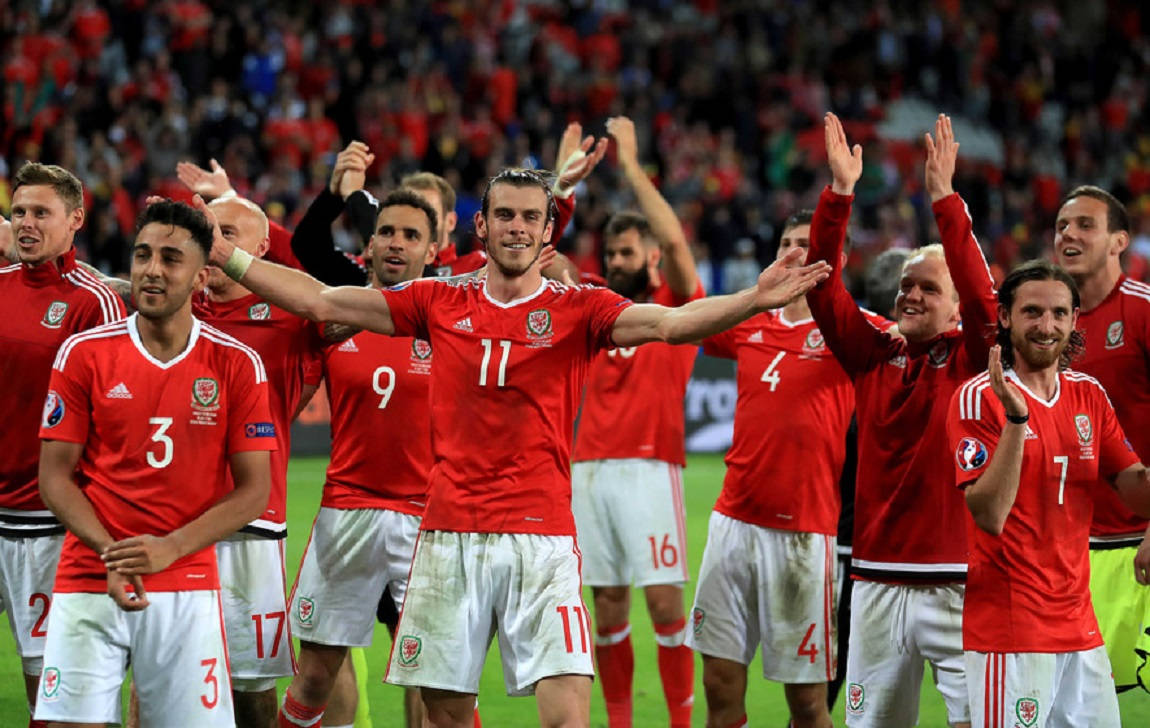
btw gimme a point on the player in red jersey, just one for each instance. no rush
(251, 561)
(47, 299)
(364, 536)
(907, 604)
(1028, 459)
(776, 518)
(496, 550)
(626, 475)
(1090, 234)
(134, 409)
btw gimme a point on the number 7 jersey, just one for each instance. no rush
(504, 391)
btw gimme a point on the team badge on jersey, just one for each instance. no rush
(971, 454)
(54, 316)
(856, 696)
(420, 349)
(53, 409)
(898, 361)
(938, 354)
(1027, 711)
(205, 391)
(50, 683)
(260, 312)
(698, 616)
(409, 649)
(539, 323)
(305, 610)
(1085, 429)
(443, 271)
(1115, 335)
(815, 342)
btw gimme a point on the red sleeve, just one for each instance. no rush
(722, 344)
(604, 307)
(250, 425)
(564, 211)
(1115, 451)
(279, 250)
(409, 304)
(973, 427)
(977, 300)
(855, 342)
(67, 408)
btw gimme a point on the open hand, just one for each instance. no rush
(785, 280)
(204, 183)
(622, 130)
(221, 247)
(579, 162)
(845, 161)
(941, 156)
(145, 554)
(134, 601)
(1009, 395)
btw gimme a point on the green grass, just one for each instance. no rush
(765, 704)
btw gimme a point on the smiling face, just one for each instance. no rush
(167, 266)
(1040, 320)
(515, 228)
(401, 246)
(630, 261)
(1084, 246)
(42, 225)
(926, 304)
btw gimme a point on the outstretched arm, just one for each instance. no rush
(678, 263)
(779, 284)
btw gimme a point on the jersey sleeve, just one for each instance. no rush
(250, 425)
(1115, 451)
(973, 427)
(603, 308)
(977, 300)
(279, 248)
(856, 343)
(564, 211)
(409, 304)
(722, 344)
(68, 405)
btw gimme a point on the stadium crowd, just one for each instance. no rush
(734, 91)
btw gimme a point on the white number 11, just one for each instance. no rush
(1064, 461)
(502, 379)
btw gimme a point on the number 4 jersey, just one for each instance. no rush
(503, 393)
(157, 437)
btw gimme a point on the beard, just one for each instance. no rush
(629, 285)
(508, 268)
(1035, 357)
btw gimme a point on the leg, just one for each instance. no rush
(884, 674)
(413, 713)
(676, 662)
(725, 685)
(808, 705)
(846, 588)
(613, 651)
(344, 698)
(255, 709)
(937, 625)
(564, 701)
(307, 697)
(448, 709)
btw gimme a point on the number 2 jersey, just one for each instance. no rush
(157, 437)
(503, 394)
(1028, 589)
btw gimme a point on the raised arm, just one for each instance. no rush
(678, 264)
(779, 284)
(977, 300)
(296, 291)
(856, 343)
(312, 241)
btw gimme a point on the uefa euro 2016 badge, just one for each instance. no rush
(1115, 335)
(260, 311)
(54, 316)
(971, 454)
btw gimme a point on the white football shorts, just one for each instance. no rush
(895, 629)
(27, 574)
(770, 587)
(467, 587)
(631, 523)
(175, 647)
(351, 557)
(255, 609)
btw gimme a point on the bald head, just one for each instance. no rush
(242, 222)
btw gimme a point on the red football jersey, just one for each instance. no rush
(1117, 354)
(1028, 589)
(901, 392)
(380, 423)
(157, 437)
(449, 263)
(633, 407)
(791, 417)
(290, 347)
(504, 391)
(43, 305)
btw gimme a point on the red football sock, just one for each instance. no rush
(616, 661)
(294, 714)
(677, 670)
(478, 723)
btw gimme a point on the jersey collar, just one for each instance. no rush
(51, 271)
(1045, 403)
(517, 301)
(134, 335)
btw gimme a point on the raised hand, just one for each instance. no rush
(580, 158)
(1009, 395)
(941, 155)
(145, 554)
(221, 247)
(204, 183)
(845, 161)
(622, 130)
(350, 172)
(118, 589)
(785, 280)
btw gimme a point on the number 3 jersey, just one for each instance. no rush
(1028, 589)
(504, 390)
(157, 438)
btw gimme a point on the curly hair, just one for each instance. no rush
(1038, 270)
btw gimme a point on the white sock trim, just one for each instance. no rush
(675, 639)
(614, 638)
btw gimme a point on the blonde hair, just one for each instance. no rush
(933, 250)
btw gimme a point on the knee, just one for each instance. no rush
(665, 604)
(720, 687)
(612, 605)
(808, 705)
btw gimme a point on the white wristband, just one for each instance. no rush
(237, 264)
(229, 194)
(563, 192)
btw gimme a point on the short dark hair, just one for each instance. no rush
(179, 214)
(625, 220)
(405, 197)
(431, 181)
(1038, 270)
(805, 217)
(64, 183)
(1116, 218)
(883, 278)
(520, 177)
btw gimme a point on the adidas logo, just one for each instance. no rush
(348, 345)
(755, 338)
(1030, 434)
(120, 391)
(464, 325)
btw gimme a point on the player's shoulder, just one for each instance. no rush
(232, 347)
(88, 287)
(968, 400)
(1081, 381)
(1136, 292)
(10, 269)
(90, 340)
